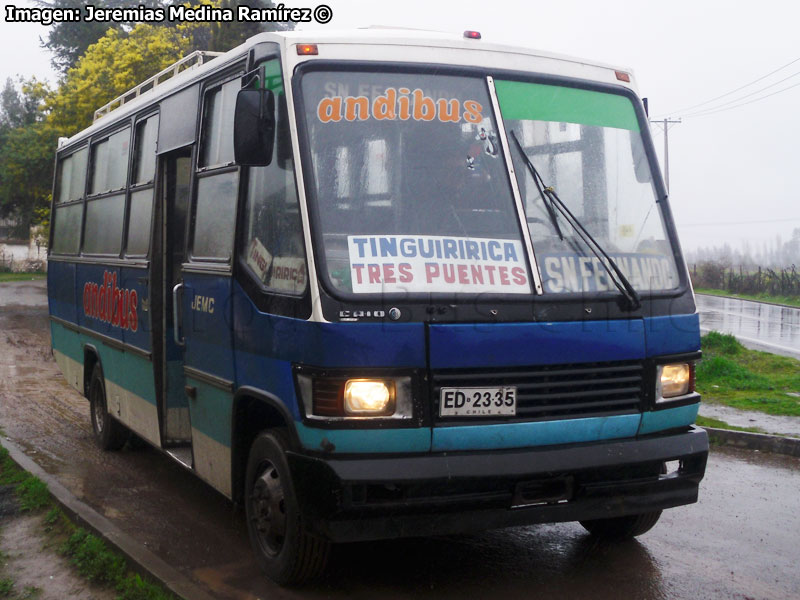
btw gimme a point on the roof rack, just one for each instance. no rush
(192, 61)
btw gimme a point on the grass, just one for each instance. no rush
(31, 491)
(21, 276)
(6, 587)
(95, 561)
(735, 376)
(718, 424)
(788, 300)
(92, 558)
(90, 555)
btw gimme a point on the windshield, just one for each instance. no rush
(587, 146)
(412, 192)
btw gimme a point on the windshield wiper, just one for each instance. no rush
(546, 200)
(551, 201)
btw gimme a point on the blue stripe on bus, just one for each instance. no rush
(668, 418)
(268, 346)
(378, 441)
(271, 375)
(528, 344)
(62, 290)
(208, 327)
(672, 334)
(394, 345)
(541, 433)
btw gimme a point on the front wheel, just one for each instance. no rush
(622, 528)
(109, 434)
(284, 549)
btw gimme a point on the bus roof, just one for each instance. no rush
(377, 36)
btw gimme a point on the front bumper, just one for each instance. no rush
(356, 499)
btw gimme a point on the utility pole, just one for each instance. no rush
(665, 123)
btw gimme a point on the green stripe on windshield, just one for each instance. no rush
(538, 102)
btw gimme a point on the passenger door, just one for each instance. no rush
(204, 290)
(175, 192)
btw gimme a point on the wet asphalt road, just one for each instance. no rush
(767, 327)
(739, 541)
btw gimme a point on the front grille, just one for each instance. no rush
(550, 391)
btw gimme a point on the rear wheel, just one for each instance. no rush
(284, 549)
(109, 434)
(622, 528)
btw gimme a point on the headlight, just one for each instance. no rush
(368, 397)
(673, 380)
(331, 396)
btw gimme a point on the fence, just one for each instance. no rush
(22, 258)
(747, 280)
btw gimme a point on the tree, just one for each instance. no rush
(26, 150)
(26, 170)
(122, 59)
(10, 106)
(116, 63)
(69, 40)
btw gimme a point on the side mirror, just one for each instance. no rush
(254, 128)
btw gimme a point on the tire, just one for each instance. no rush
(109, 434)
(284, 549)
(622, 528)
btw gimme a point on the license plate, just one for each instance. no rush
(478, 402)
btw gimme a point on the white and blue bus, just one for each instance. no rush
(383, 283)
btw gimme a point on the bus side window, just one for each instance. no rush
(141, 202)
(218, 125)
(105, 206)
(68, 214)
(273, 245)
(218, 180)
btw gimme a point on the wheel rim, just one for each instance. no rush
(98, 409)
(268, 504)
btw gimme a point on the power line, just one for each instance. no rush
(725, 223)
(712, 112)
(729, 102)
(732, 91)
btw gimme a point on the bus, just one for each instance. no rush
(383, 283)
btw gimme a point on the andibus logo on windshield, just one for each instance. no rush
(400, 103)
(111, 304)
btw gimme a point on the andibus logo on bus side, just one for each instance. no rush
(111, 304)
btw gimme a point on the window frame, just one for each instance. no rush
(267, 300)
(104, 136)
(95, 142)
(57, 184)
(217, 264)
(242, 241)
(134, 187)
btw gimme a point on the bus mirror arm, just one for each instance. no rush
(176, 321)
(254, 127)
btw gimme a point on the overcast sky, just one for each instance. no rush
(734, 174)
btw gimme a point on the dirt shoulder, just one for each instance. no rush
(31, 565)
(149, 497)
